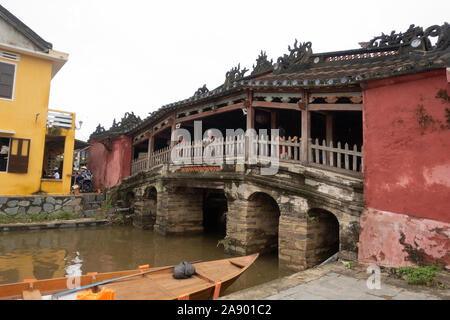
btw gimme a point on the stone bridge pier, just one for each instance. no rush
(303, 232)
(304, 216)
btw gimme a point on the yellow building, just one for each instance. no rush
(34, 140)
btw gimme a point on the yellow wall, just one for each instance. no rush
(27, 116)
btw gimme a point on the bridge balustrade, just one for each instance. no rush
(256, 150)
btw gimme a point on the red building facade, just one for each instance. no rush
(110, 154)
(407, 170)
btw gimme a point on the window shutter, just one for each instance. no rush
(18, 155)
(6, 80)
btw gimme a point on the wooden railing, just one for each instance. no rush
(160, 156)
(335, 157)
(261, 150)
(287, 149)
(139, 165)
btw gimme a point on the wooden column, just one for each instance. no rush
(273, 119)
(250, 111)
(329, 127)
(172, 129)
(306, 135)
(306, 129)
(250, 121)
(151, 143)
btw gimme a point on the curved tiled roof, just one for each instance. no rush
(384, 56)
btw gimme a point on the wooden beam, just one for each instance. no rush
(335, 107)
(211, 113)
(276, 105)
(155, 133)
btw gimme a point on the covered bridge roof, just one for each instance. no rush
(382, 57)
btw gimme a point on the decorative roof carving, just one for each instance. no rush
(414, 36)
(201, 90)
(99, 129)
(262, 64)
(234, 75)
(128, 122)
(298, 56)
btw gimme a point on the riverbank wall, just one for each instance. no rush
(36, 208)
(60, 224)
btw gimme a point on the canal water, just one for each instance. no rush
(53, 253)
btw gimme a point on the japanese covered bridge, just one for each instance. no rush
(298, 189)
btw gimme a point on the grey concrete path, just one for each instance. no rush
(336, 282)
(334, 286)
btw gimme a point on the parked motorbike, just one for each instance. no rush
(84, 181)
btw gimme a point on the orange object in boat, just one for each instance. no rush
(105, 294)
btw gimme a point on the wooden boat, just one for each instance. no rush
(211, 278)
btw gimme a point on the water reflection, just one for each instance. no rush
(46, 254)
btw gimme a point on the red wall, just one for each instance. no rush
(406, 220)
(110, 167)
(406, 166)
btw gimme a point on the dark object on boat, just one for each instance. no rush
(183, 270)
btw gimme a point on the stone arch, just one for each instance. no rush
(263, 216)
(349, 228)
(322, 235)
(151, 193)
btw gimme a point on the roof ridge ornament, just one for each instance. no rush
(201, 91)
(99, 129)
(262, 64)
(128, 122)
(235, 74)
(414, 36)
(298, 56)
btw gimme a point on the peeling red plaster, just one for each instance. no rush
(389, 238)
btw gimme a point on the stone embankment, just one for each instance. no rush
(59, 224)
(41, 209)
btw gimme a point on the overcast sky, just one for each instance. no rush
(139, 55)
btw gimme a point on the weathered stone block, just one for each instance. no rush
(3, 200)
(37, 201)
(34, 210)
(12, 203)
(89, 197)
(68, 208)
(100, 197)
(92, 213)
(50, 200)
(11, 211)
(24, 203)
(48, 207)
